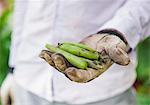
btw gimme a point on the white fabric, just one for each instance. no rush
(51, 21)
(24, 97)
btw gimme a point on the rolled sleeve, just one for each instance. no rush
(130, 20)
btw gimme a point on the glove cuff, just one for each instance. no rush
(116, 33)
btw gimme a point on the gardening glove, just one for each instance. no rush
(111, 48)
(6, 93)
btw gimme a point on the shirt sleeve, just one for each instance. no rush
(132, 20)
(18, 22)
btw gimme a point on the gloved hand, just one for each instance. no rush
(111, 48)
(6, 93)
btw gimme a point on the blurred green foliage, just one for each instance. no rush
(143, 67)
(143, 72)
(5, 32)
(5, 38)
(142, 99)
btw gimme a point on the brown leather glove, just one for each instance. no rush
(111, 48)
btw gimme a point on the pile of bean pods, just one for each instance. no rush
(79, 55)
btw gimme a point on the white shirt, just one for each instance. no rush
(37, 22)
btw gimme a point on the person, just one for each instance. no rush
(34, 82)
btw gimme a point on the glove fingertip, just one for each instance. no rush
(119, 56)
(59, 61)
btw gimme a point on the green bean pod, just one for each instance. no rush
(80, 45)
(74, 60)
(79, 51)
(93, 64)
